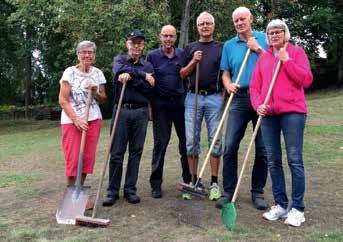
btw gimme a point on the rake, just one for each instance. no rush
(229, 213)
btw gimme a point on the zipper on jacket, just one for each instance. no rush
(272, 94)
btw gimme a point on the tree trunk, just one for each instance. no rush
(274, 9)
(340, 70)
(183, 40)
(339, 8)
(28, 70)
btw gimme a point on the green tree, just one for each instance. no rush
(51, 30)
(38, 37)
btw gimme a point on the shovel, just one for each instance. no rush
(93, 221)
(75, 198)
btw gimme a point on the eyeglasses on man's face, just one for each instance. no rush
(205, 24)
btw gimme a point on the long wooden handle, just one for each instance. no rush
(196, 90)
(194, 166)
(114, 127)
(83, 144)
(224, 115)
(255, 131)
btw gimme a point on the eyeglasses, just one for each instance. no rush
(276, 32)
(85, 52)
(205, 23)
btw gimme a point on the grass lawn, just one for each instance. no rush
(32, 183)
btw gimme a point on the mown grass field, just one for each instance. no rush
(32, 184)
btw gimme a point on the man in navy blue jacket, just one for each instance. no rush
(167, 106)
(133, 120)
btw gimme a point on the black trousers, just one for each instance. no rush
(167, 111)
(131, 132)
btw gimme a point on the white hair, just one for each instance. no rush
(279, 24)
(241, 10)
(205, 14)
(85, 43)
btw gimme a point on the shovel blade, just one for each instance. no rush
(70, 207)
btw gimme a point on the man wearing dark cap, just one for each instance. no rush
(167, 106)
(133, 120)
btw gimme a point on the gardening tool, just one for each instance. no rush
(229, 213)
(183, 187)
(93, 221)
(195, 162)
(75, 197)
(197, 189)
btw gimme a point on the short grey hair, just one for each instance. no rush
(84, 44)
(241, 9)
(205, 14)
(278, 24)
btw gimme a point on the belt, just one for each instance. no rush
(205, 92)
(243, 90)
(133, 105)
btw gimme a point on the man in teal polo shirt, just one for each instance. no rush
(241, 111)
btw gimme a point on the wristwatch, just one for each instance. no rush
(259, 50)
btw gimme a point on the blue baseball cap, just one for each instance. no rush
(135, 34)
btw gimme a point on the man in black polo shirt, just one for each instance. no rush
(167, 106)
(133, 120)
(206, 52)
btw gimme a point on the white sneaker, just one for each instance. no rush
(275, 213)
(295, 218)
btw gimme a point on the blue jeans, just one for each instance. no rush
(210, 107)
(292, 126)
(240, 114)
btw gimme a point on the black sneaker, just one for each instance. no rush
(226, 198)
(258, 201)
(156, 193)
(110, 199)
(132, 198)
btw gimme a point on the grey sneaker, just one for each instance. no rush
(226, 198)
(258, 201)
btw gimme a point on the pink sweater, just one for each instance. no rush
(288, 92)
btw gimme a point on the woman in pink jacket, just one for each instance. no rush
(286, 111)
